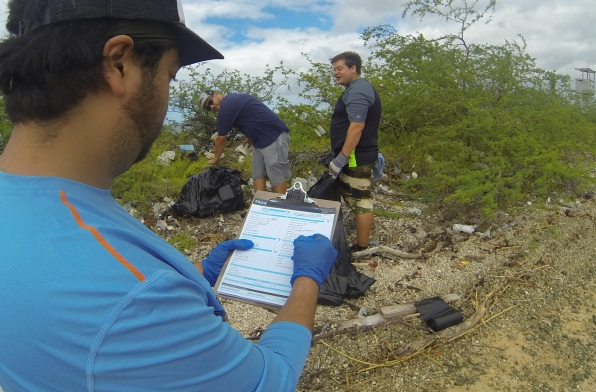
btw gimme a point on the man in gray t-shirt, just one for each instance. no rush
(353, 133)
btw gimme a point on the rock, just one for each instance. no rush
(159, 208)
(483, 227)
(502, 217)
(421, 234)
(414, 211)
(385, 189)
(578, 377)
(162, 225)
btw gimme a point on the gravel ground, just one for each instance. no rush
(534, 271)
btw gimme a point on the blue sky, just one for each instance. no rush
(281, 18)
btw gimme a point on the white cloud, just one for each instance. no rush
(557, 33)
(225, 9)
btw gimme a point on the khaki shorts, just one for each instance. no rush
(355, 188)
(272, 161)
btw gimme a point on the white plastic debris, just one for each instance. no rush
(320, 130)
(166, 157)
(243, 149)
(363, 312)
(463, 228)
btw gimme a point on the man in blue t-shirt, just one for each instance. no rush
(264, 130)
(91, 299)
(353, 134)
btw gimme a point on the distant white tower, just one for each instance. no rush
(587, 83)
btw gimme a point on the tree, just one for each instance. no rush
(497, 127)
(461, 12)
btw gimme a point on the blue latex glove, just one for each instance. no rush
(336, 165)
(215, 261)
(313, 257)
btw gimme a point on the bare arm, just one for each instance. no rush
(301, 305)
(220, 143)
(352, 137)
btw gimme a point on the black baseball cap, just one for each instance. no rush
(191, 48)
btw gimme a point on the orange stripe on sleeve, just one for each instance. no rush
(100, 239)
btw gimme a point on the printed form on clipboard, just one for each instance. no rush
(261, 275)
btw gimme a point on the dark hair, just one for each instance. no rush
(46, 72)
(350, 58)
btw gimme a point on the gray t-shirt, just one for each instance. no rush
(358, 97)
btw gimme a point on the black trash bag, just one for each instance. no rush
(215, 190)
(326, 188)
(343, 280)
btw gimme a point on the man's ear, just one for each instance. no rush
(118, 63)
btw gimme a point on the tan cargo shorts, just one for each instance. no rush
(355, 188)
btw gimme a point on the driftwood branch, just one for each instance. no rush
(410, 308)
(387, 250)
(365, 328)
(388, 312)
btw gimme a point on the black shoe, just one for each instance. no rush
(357, 248)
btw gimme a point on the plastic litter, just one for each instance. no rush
(166, 157)
(437, 314)
(186, 148)
(214, 190)
(378, 167)
(320, 130)
(243, 149)
(343, 280)
(464, 228)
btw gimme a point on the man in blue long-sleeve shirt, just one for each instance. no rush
(90, 298)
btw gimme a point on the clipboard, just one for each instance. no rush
(261, 276)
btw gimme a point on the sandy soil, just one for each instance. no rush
(535, 274)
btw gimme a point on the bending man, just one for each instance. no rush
(268, 134)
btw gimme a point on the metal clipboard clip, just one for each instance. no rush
(296, 198)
